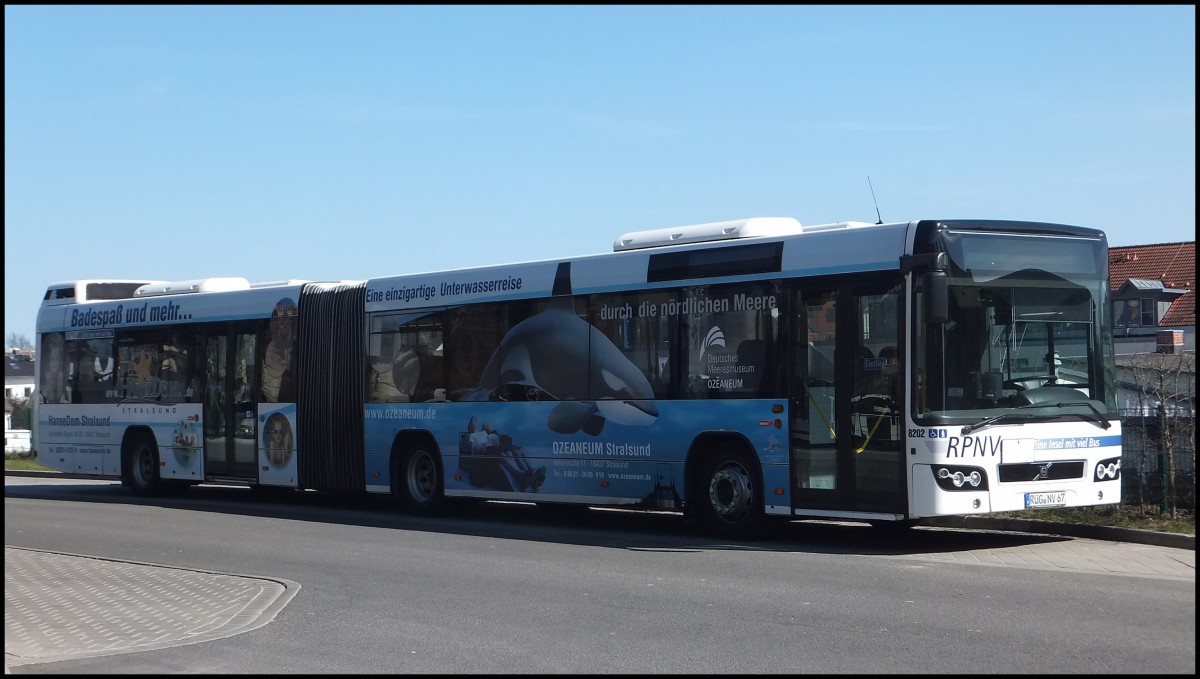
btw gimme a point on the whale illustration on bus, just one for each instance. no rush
(538, 359)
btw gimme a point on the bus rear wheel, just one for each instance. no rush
(141, 466)
(417, 480)
(731, 501)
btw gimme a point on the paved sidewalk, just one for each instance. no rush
(1083, 555)
(64, 607)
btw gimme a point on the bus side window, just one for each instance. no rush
(54, 369)
(639, 327)
(751, 364)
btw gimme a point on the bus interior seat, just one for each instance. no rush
(432, 378)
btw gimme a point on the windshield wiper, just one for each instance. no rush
(1100, 419)
(996, 419)
(1021, 418)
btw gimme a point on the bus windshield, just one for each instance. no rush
(1025, 318)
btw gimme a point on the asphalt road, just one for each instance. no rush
(359, 588)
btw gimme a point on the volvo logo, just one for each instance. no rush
(1044, 472)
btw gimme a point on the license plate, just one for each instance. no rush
(1039, 500)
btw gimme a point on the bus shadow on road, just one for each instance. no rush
(641, 530)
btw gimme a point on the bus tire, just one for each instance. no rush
(417, 480)
(730, 495)
(141, 466)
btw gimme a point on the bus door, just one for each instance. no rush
(230, 404)
(846, 447)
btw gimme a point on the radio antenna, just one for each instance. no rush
(877, 217)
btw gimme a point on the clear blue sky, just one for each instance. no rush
(329, 143)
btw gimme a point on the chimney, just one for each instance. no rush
(1169, 341)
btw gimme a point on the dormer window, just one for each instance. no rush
(1148, 316)
(1133, 313)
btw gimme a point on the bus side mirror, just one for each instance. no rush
(937, 301)
(934, 283)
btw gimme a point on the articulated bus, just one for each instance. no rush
(737, 372)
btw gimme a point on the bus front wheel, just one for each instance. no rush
(417, 480)
(731, 501)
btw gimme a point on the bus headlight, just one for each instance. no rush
(954, 477)
(1108, 470)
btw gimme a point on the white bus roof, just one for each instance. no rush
(814, 250)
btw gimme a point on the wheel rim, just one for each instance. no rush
(421, 476)
(731, 492)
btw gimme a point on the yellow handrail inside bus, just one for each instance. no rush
(867, 441)
(820, 412)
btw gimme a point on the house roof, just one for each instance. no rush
(1161, 265)
(18, 366)
(1182, 311)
